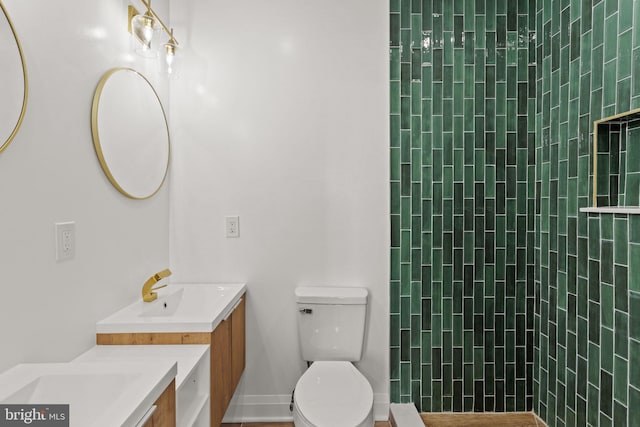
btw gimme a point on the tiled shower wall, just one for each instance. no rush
(587, 265)
(462, 100)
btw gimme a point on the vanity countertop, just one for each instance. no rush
(186, 356)
(178, 308)
(98, 394)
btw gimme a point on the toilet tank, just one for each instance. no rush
(331, 322)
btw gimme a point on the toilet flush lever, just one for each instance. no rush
(306, 311)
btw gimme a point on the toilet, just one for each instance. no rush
(332, 392)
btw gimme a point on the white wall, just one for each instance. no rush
(50, 174)
(281, 117)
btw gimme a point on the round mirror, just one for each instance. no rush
(130, 133)
(13, 81)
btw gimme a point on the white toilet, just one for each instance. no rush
(332, 392)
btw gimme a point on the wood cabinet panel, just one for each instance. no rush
(220, 371)
(150, 338)
(227, 361)
(237, 344)
(165, 413)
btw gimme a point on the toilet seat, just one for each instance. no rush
(333, 394)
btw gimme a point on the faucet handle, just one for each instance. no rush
(161, 275)
(147, 289)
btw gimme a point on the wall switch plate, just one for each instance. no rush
(65, 240)
(232, 226)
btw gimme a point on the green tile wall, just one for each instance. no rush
(587, 352)
(463, 206)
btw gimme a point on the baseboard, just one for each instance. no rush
(258, 408)
(275, 408)
(381, 406)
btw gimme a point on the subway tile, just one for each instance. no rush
(634, 316)
(634, 267)
(621, 332)
(621, 289)
(634, 401)
(634, 364)
(606, 350)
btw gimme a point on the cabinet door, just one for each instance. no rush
(237, 344)
(165, 413)
(227, 361)
(220, 371)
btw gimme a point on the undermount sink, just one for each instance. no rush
(178, 308)
(98, 394)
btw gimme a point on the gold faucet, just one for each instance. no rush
(147, 292)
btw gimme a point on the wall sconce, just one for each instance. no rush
(142, 28)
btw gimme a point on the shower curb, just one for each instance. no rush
(404, 415)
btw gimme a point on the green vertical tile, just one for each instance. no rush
(634, 364)
(620, 241)
(634, 267)
(634, 402)
(634, 318)
(621, 334)
(624, 59)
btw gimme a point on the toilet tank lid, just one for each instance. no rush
(331, 295)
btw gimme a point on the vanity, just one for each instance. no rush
(189, 314)
(127, 394)
(191, 381)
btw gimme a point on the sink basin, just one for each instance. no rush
(69, 387)
(166, 305)
(98, 394)
(178, 308)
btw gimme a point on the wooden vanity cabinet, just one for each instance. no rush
(165, 413)
(228, 349)
(227, 361)
(238, 340)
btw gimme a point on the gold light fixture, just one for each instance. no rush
(143, 27)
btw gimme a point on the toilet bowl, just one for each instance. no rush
(333, 394)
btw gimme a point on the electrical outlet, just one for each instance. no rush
(232, 226)
(65, 240)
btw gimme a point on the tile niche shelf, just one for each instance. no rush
(616, 164)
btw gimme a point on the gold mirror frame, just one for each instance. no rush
(99, 146)
(13, 134)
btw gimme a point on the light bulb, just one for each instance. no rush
(170, 49)
(143, 27)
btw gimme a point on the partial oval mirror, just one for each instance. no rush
(130, 133)
(13, 81)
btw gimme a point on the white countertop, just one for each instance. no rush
(186, 356)
(194, 307)
(98, 394)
